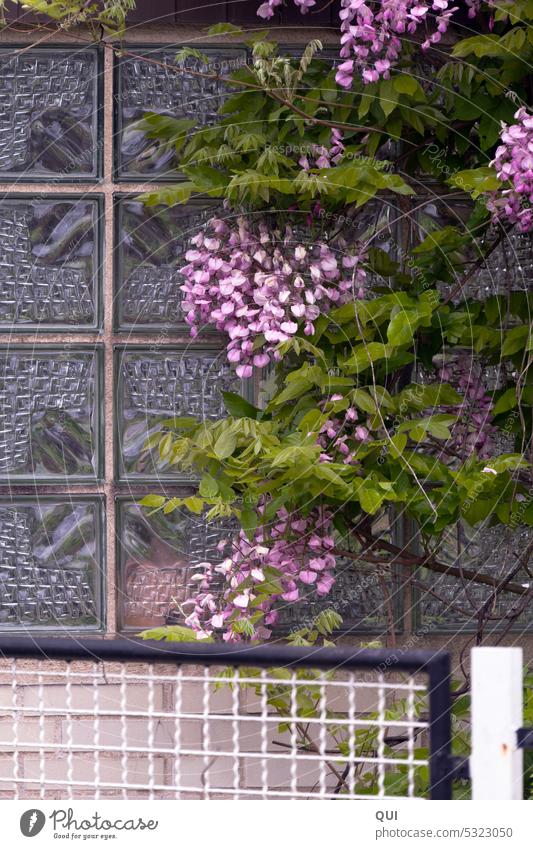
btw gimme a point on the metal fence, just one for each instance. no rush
(127, 719)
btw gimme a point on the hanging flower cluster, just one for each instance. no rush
(371, 33)
(339, 437)
(514, 164)
(250, 281)
(295, 554)
(320, 156)
(473, 431)
(267, 10)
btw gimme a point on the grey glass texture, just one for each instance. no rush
(154, 386)
(357, 596)
(49, 414)
(156, 83)
(491, 551)
(453, 603)
(50, 564)
(49, 263)
(49, 113)
(508, 268)
(158, 556)
(150, 248)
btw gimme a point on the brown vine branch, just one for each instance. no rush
(432, 565)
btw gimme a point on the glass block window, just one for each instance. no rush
(51, 557)
(50, 426)
(509, 267)
(95, 354)
(154, 86)
(158, 556)
(154, 386)
(150, 248)
(452, 605)
(49, 113)
(50, 263)
(442, 603)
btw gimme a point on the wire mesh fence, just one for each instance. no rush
(118, 719)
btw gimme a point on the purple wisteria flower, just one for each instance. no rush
(371, 33)
(260, 286)
(473, 430)
(293, 555)
(514, 165)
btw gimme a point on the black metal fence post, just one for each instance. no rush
(440, 727)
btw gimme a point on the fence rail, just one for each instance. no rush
(125, 719)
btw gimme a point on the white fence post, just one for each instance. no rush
(496, 761)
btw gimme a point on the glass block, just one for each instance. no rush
(51, 563)
(49, 113)
(145, 86)
(358, 595)
(49, 263)
(158, 555)
(490, 551)
(49, 414)
(149, 250)
(154, 386)
(508, 268)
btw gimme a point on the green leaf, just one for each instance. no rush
(507, 46)
(165, 446)
(397, 446)
(206, 179)
(295, 454)
(363, 400)
(164, 127)
(239, 407)
(402, 327)
(172, 504)
(195, 505)
(477, 181)
(404, 84)
(363, 355)
(220, 29)
(439, 430)
(153, 500)
(292, 391)
(505, 402)
(225, 445)
(327, 621)
(515, 340)
(168, 196)
(208, 487)
(478, 509)
(388, 96)
(248, 522)
(173, 634)
(190, 53)
(370, 499)
(312, 420)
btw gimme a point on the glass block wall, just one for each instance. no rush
(94, 352)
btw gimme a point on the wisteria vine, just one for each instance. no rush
(473, 431)
(240, 597)
(258, 285)
(371, 33)
(514, 164)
